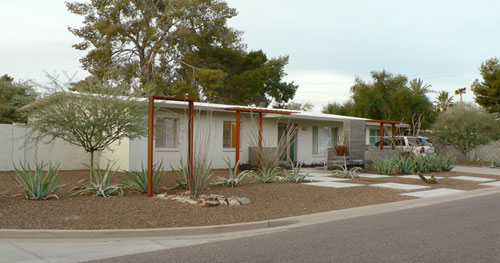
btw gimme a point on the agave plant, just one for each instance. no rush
(202, 172)
(435, 163)
(138, 181)
(266, 174)
(385, 166)
(421, 163)
(100, 185)
(495, 163)
(294, 174)
(235, 178)
(182, 175)
(405, 164)
(35, 185)
(448, 163)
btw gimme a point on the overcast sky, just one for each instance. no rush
(329, 42)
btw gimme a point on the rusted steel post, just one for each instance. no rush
(393, 136)
(150, 145)
(237, 141)
(260, 141)
(190, 143)
(381, 136)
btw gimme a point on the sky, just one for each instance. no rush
(329, 42)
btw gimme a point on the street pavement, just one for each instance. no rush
(466, 230)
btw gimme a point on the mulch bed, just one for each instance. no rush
(134, 210)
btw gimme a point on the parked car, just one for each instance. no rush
(417, 145)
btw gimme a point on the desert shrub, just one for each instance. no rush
(405, 164)
(385, 166)
(202, 172)
(138, 180)
(448, 163)
(100, 183)
(495, 163)
(435, 163)
(421, 163)
(266, 174)
(35, 185)
(234, 178)
(294, 175)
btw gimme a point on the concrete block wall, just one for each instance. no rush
(354, 131)
(373, 152)
(485, 153)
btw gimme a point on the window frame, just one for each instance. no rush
(232, 122)
(164, 127)
(315, 139)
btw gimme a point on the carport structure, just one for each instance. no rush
(261, 112)
(382, 122)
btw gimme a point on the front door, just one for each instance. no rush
(287, 139)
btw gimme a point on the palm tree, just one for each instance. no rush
(443, 100)
(461, 92)
(419, 88)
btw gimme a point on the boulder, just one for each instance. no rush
(243, 200)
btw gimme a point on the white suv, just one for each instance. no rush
(417, 145)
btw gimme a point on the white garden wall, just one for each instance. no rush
(16, 147)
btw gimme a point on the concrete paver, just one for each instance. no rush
(494, 184)
(325, 179)
(334, 184)
(416, 177)
(476, 170)
(434, 192)
(404, 187)
(372, 175)
(473, 178)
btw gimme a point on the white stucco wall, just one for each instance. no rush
(118, 156)
(16, 147)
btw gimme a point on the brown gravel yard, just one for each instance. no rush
(133, 210)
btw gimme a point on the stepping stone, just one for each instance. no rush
(496, 183)
(475, 179)
(334, 184)
(373, 176)
(316, 174)
(326, 179)
(435, 192)
(416, 177)
(404, 187)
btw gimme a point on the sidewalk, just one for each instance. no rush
(476, 170)
(78, 250)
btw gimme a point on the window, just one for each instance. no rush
(229, 135)
(323, 138)
(166, 133)
(374, 136)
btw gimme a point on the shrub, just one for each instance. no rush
(202, 172)
(448, 163)
(435, 163)
(294, 175)
(235, 178)
(266, 175)
(101, 183)
(138, 181)
(495, 163)
(385, 166)
(35, 185)
(421, 163)
(405, 164)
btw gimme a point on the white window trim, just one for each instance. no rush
(170, 149)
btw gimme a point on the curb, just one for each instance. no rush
(289, 222)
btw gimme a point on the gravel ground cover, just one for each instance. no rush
(133, 210)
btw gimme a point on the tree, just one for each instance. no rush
(443, 101)
(461, 92)
(306, 106)
(176, 47)
(487, 92)
(419, 88)
(339, 108)
(388, 97)
(143, 42)
(13, 96)
(92, 121)
(464, 127)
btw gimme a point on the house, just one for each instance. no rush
(215, 136)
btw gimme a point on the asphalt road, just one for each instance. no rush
(459, 231)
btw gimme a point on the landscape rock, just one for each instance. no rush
(233, 202)
(243, 200)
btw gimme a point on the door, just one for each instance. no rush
(287, 139)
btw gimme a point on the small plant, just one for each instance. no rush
(405, 164)
(181, 174)
(385, 166)
(435, 163)
(448, 163)
(202, 172)
(138, 181)
(235, 178)
(266, 175)
(100, 185)
(431, 180)
(36, 186)
(421, 163)
(294, 175)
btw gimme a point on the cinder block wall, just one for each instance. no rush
(354, 132)
(373, 152)
(484, 153)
